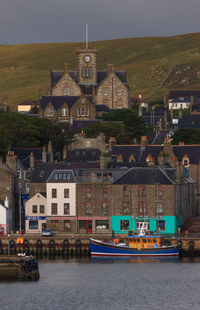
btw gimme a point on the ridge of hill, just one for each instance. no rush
(153, 64)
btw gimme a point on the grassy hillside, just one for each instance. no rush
(153, 64)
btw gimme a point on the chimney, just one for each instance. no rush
(64, 152)
(165, 119)
(111, 142)
(103, 161)
(143, 143)
(110, 68)
(191, 100)
(32, 161)
(181, 143)
(66, 67)
(49, 147)
(11, 161)
(44, 155)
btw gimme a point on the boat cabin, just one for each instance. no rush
(140, 242)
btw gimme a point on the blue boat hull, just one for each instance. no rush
(99, 248)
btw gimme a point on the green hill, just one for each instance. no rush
(153, 65)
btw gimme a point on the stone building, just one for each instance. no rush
(87, 88)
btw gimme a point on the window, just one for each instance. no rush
(124, 225)
(54, 225)
(78, 112)
(66, 192)
(64, 111)
(82, 111)
(105, 193)
(54, 208)
(105, 91)
(66, 208)
(119, 104)
(27, 187)
(88, 193)
(34, 208)
(159, 190)
(19, 174)
(67, 225)
(125, 190)
(41, 208)
(49, 111)
(161, 225)
(142, 225)
(125, 207)
(105, 208)
(66, 91)
(25, 175)
(105, 102)
(119, 91)
(142, 208)
(88, 208)
(87, 72)
(159, 208)
(54, 193)
(33, 224)
(102, 225)
(141, 190)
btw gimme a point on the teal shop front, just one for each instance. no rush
(165, 224)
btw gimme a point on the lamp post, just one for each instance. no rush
(8, 244)
(20, 209)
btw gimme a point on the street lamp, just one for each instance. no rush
(8, 244)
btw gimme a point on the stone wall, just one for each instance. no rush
(114, 99)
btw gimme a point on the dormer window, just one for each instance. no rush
(42, 174)
(49, 111)
(64, 111)
(185, 161)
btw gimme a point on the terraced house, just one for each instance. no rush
(81, 94)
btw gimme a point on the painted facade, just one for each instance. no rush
(35, 213)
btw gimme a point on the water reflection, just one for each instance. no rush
(134, 260)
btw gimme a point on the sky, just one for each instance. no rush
(45, 21)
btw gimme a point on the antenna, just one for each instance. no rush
(86, 36)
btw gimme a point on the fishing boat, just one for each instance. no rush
(137, 245)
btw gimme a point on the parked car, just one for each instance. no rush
(47, 233)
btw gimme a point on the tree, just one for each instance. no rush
(187, 135)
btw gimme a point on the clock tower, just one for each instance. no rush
(87, 70)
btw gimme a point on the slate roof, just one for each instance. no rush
(160, 137)
(102, 108)
(23, 155)
(57, 101)
(101, 75)
(189, 121)
(196, 107)
(153, 118)
(43, 170)
(140, 155)
(145, 175)
(52, 178)
(193, 152)
(83, 155)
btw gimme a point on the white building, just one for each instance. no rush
(61, 199)
(4, 216)
(35, 213)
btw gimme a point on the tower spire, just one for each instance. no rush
(86, 36)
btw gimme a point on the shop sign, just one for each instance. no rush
(89, 218)
(35, 218)
(147, 217)
(61, 218)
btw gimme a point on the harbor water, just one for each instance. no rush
(96, 284)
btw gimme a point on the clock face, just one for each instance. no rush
(87, 58)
